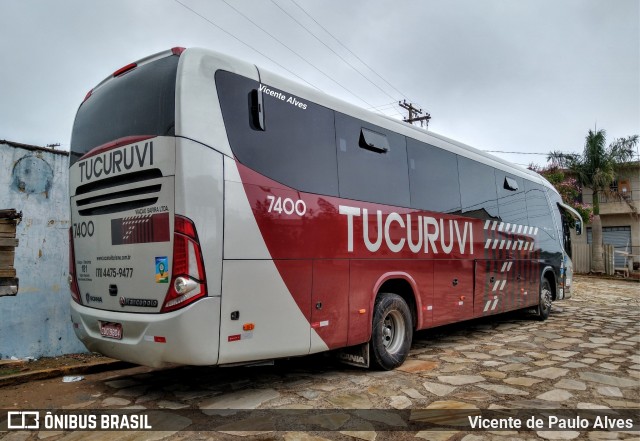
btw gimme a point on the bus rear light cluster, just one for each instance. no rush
(188, 282)
(73, 281)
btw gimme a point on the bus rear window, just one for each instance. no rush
(139, 102)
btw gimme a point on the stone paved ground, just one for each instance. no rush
(584, 357)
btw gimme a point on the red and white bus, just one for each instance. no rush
(222, 214)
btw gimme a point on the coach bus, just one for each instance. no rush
(222, 214)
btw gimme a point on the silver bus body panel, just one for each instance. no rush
(199, 195)
(198, 113)
(191, 334)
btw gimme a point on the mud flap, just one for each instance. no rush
(355, 355)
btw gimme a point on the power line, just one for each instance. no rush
(244, 43)
(294, 52)
(331, 49)
(348, 50)
(515, 153)
(381, 106)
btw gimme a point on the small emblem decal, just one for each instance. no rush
(162, 267)
(141, 303)
(91, 298)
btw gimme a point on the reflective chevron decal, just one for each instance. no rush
(140, 229)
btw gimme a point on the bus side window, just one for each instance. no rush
(433, 175)
(374, 173)
(563, 221)
(291, 144)
(539, 212)
(477, 189)
(376, 142)
(512, 204)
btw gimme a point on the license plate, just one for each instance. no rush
(111, 330)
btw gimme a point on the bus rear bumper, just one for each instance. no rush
(186, 336)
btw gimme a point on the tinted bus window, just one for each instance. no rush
(477, 189)
(512, 204)
(433, 177)
(140, 102)
(561, 220)
(539, 215)
(372, 162)
(297, 146)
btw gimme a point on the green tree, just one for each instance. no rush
(596, 168)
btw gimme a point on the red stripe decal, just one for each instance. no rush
(140, 229)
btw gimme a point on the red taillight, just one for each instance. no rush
(177, 50)
(125, 69)
(188, 280)
(73, 281)
(186, 227)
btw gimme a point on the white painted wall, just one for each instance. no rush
(36, 322)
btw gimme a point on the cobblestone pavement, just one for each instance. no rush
(584, 357)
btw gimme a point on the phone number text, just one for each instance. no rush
(114, 272)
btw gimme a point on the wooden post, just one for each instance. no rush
(9, 282)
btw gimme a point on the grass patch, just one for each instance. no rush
(11, 371)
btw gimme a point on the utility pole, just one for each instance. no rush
(414, 114)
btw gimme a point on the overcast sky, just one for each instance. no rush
(527, 76)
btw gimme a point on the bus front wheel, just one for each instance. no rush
(544, 305)
(391, 333)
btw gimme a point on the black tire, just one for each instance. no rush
(392, 332)
(544, 301)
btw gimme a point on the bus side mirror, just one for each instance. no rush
(578, 227)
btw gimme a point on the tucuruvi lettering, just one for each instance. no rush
(418, 233)
(115, 161)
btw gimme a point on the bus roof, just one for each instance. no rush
(315, 95)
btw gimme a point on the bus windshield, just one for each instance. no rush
(139, 102)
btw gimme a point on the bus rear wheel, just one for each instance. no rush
(392, 332)
(546, 297)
